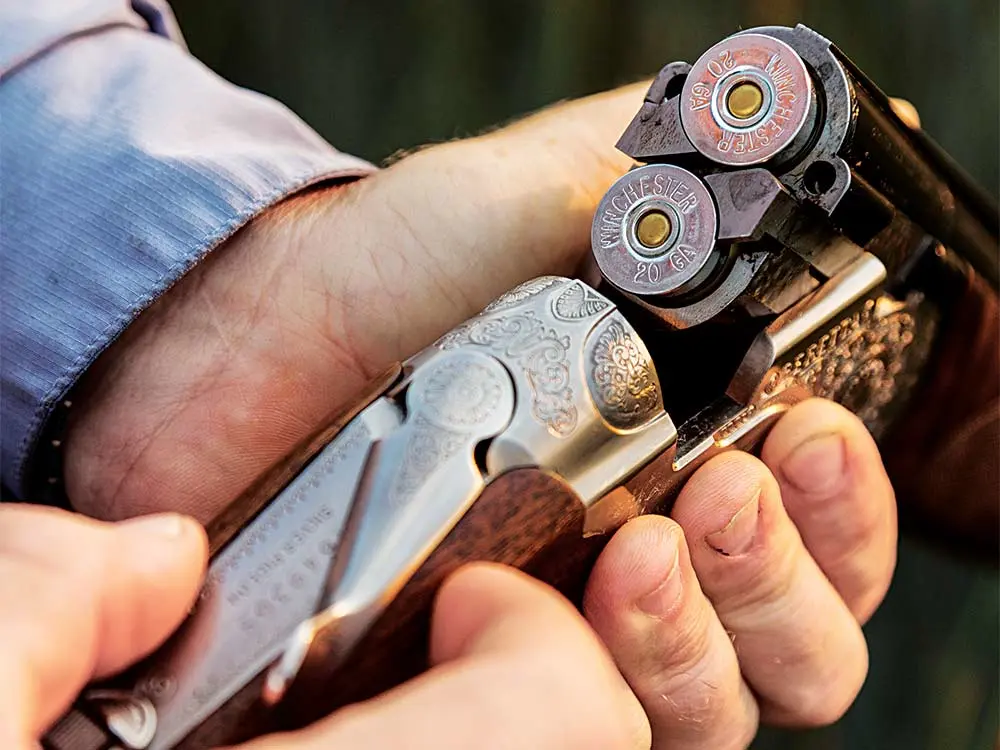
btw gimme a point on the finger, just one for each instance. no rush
(799, 647)
(82, 599)
(644, 600)
(517, 667)
(295, 315)
(906, 112)
(837, 493)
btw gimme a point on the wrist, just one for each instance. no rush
(152, 418)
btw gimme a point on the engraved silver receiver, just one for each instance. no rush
(549, 375)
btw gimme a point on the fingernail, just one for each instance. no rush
(661, 600)
(167, 526)
(736, 536)
(816, 467)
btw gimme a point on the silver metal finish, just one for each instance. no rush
(794, 326)
(863, 275)
(130, 719)
(418, 482)
(784, 119)
(770, 380)
(621, 377)
(554, 375)
(262, 586)
(589, 402)
(686, 255)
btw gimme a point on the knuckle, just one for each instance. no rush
(821, 702)
(759, 588)
(692, 699)
(716, 709)
(689, 677)
(685, 647)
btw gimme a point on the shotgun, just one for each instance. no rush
(783, 235)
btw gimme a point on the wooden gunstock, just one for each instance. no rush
(526, 518)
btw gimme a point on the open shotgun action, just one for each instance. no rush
(784, 235)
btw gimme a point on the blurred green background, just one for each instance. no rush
(374, 77)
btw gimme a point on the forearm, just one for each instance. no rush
(124, 162)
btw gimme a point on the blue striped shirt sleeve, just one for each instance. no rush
(123, 162)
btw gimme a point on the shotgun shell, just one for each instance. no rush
(654, 231)
(747, 100)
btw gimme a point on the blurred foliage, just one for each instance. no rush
(381, 75)
(374, 77)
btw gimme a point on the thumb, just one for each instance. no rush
(515, 667)
(81, 599)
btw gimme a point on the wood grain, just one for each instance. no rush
(943, 455)
(527, 518)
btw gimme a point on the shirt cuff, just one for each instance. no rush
(123, 161)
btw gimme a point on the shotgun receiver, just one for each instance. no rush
(784, 235)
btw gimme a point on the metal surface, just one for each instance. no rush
(866, 163)
(656, 131)
(261, 586)
(684, 257)
(653, 229)
(417, 484)
(837, 117)
(847, 343)
(589, 402)
(778, 125)
(548, 375)
(745, 100)
(791, 328)
(754, 205)
(131, 720)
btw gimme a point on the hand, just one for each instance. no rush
(747, 604)
(289, 319)
(82, 599)
(293, 315)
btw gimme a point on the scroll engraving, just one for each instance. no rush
(429, 447)
(460, 400)
(621, 378)
(542, 354)
(577, 302)
(521, 292)
(460, 394)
